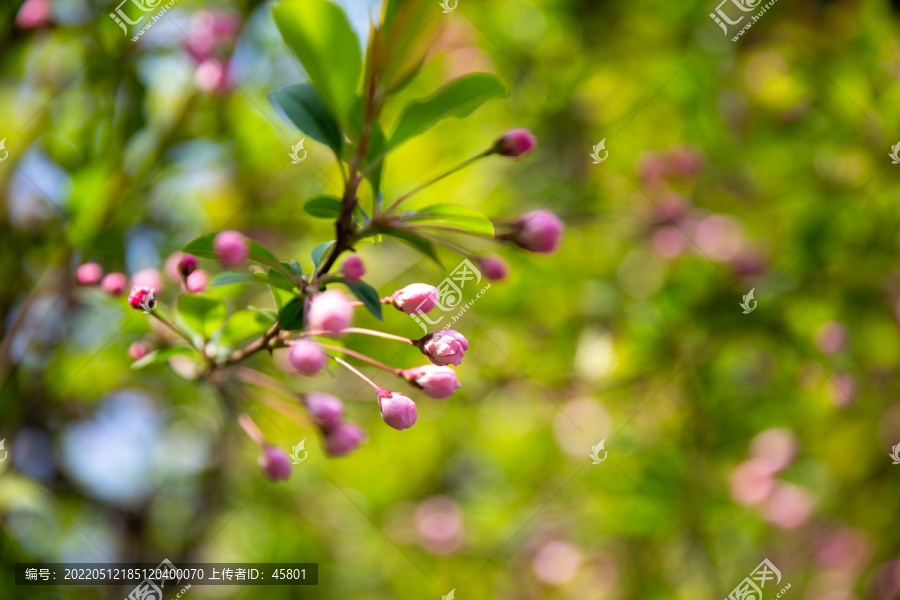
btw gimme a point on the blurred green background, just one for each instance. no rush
(758, 164)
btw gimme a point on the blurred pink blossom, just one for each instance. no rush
(831, 337)
(148, 278)
(846, 550)
(752, 482)
(777, 447)
(719, 237)
(439, 524)
(556, 562)
(789, 506)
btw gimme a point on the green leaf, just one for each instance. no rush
(245, 324)
(459, 98)
(301, 105)
(280, 280)
(290, 317)
(202, 247)
(320, 36)
(416, 241)
(462, 217)
(323, 207)
(160, 356)
(294, 267)
(319, 251)
(230, 278)
(400, 47)
(203, 315)
(367, 295)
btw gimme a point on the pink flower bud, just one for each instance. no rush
(343, 439)
(445, 347)
(138, 350)
(187, 264)
(353, 268)
(416, 298)
(515, 142)
(539, 231)
(397, 410)
(232, 248)
(275, 463)
(196, 281)
(324, 408)
(34, 13)
(306, 357)
(88, 274)
(114, 283)
(437, 382)
(330, 311)
(494, 268)
(142, 298)
(149, 278)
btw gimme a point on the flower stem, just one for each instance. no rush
(251, 429)
(458, 167)
(371, 332)
(363, 358)
(355, 371)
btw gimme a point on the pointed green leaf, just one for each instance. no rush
(462, 217)
(160, 356)
(201, 314)
(290, 317)
(319, 251)
(367, 295)
(301, 105)
(245, 324)
(459, 98)
(416, 241)
(230, 278)
(323, 207)
(320, 36)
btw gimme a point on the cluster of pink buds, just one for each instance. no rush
(341, 437)
(316, 316)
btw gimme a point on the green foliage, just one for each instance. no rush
(203, 315)
(459, 98)
(300, 104)
(462, 217)
(318, 34)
